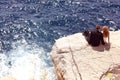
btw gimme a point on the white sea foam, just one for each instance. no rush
(27, 63)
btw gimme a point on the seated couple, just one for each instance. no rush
(96, 37)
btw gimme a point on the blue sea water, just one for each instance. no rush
(29, 28)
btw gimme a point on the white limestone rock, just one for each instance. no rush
(74, 59)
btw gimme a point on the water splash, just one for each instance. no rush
(26, 62)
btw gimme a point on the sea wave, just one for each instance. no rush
(26, 62)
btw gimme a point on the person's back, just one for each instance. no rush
(96, 38)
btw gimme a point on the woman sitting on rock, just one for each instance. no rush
(106, 34)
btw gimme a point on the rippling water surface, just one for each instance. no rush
(29, 28)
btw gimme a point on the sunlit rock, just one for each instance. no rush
(74, 59)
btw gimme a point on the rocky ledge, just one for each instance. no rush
(74, 59)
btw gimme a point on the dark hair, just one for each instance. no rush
(85, 33)
(98, 27)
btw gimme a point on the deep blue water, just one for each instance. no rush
(46, 20)
(41, 22)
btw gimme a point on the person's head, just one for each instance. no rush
(105, 29)
(98, 27)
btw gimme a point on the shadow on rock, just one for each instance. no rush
(101, 48)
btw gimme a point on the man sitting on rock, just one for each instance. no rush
(95, 37)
